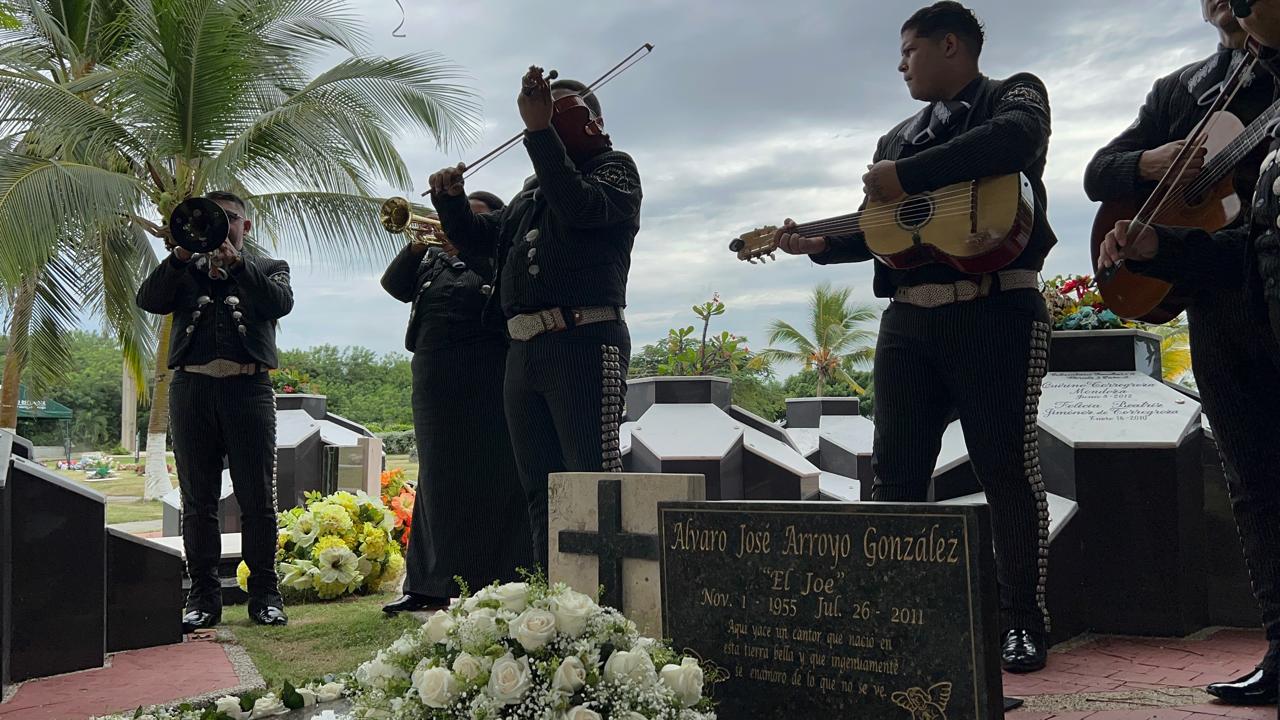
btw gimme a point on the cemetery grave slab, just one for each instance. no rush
(866, 610)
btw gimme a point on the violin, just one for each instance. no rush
(581, 131)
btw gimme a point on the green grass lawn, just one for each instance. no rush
(123, 512)
(321, 638)
(403, 462)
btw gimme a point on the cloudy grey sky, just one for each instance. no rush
(749, 111)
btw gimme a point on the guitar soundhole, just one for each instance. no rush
(915, 212)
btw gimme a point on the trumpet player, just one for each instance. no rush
(469, 518)
(563, 248)
(221, 403)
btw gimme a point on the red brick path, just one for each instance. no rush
(152, 676)
(1109, 669)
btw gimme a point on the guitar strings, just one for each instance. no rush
(768, 241)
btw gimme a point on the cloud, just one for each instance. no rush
(748, 112)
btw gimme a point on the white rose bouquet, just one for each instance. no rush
(529, 650)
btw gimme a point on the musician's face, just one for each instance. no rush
(1264, 23)
(923, 63)
(1218, 13)
(239, 225)
(478, 207)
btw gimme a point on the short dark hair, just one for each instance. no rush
(589, 98)
(946, 17)
(493, 202)
(227, 197)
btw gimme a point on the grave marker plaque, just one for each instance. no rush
(874, 611)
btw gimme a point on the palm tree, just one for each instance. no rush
(128, 107)
(836, 343)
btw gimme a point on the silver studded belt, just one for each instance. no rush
(938, 294)
(530, 325)
(223, 368)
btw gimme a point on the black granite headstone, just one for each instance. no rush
(644, 393)
(859, 610)
(808, 412)
(144, 593)
(58, 554)
(1098, 350)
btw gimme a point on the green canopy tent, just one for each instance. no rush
(46, 410)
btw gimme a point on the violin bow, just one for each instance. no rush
(640, 53)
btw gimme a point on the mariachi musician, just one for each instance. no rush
(977, 343)
(563, 249)
(1233, 279)
(469, 516)
(225, 305)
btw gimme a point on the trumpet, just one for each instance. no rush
(397, 217)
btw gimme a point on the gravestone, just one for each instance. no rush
(1127, 449)
(835, 610)
(1115, 350)
(644, 393)
(57, 572)
(604, 532)
(808, 412)
(228, 509)
(299, 457)
(144, 593)
(691, 439)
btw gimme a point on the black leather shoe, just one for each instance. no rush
(269, 615)
(1023, 651)
(412, 602)
(195, 620)
(1259, 687)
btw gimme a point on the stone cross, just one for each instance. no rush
(610, 544)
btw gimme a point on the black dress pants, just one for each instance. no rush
(235, 417)
(564, 398)
(985, 359)
(1237, 367)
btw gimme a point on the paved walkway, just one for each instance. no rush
(152, 676)
(1114, 678)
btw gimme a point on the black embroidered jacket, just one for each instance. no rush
(1004, 131)
(566, 239)
(446, 295)
(233, 319)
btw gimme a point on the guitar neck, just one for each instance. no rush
(835, 226)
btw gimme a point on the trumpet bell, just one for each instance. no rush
(199, 225)
(397, 217)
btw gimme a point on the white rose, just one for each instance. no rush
(483, 622)
(533, 629)
(329, 692)
(308, 696)
(572, 610)
(469, 605)
(513, 596)
(633, 665)
(437, 627)
(570, 676)
(231, 707)
(376, 672)
(509, 680)
(633, 715)
(404, 645)
(685, 680)
(582, 713)
(267, 706)
(436, 686)
(467, 666)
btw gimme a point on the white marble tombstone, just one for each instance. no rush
(610, 522)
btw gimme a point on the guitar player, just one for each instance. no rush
(1235, 357)
(975, 343)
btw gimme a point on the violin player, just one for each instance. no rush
(563, 252)
(1233, 279)
(975, 343)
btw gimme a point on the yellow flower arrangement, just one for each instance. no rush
(335, 546)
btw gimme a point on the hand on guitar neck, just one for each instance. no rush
(1121, 244)
(792, 242)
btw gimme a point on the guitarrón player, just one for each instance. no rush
(975, 343)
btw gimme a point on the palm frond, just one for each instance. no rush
(38, 333)
(43, 201)
(844, 377)
(782, 332)
(112, 275)
(340, 230)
